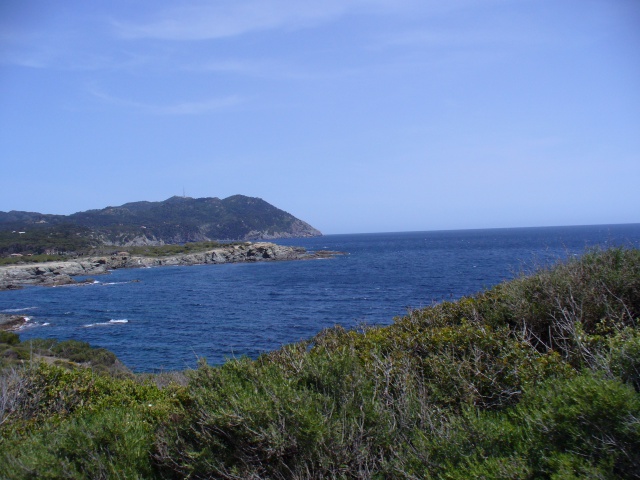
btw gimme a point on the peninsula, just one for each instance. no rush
(62, 272)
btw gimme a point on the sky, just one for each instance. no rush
(353, 115)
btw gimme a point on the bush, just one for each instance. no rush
(555, 308)
(624, 358)
(73, 353)
(51, 392)
(9, 338)
(113, 443)
(584, 423)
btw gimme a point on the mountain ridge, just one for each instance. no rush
(171, 221)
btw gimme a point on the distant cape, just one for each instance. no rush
(175, 220)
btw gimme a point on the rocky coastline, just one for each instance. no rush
(62, 273)
(12, 322)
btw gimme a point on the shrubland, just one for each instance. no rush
(538, 377)
(31, 250)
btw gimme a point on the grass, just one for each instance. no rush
(535, 378)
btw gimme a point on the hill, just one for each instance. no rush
(535, 378)
(176, 220)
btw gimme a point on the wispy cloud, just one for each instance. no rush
(230, 18)
(180, 108)
(66, 50)
(222, 20)
(25, 49)
(472, 37)
(266, 69)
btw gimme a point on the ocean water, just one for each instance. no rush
(166, 318)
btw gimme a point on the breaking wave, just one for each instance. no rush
(110, 322)
(29, 323)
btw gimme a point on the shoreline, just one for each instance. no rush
(52, 274)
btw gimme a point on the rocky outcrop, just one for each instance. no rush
(12, 322)
(61, 273)
(48, 274)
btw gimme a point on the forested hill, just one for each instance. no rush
(175, 220)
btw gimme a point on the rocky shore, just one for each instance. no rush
(12, 322)
(62, 273)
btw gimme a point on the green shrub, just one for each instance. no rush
(248, 420)
(73, 353)
(597, 294)
(51, 393)
(9, 338)
(113, 443)
(583, 427)
(586, 424)
(624, 357)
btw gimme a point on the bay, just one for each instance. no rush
(166, 318)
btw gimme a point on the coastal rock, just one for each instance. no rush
(12, 322)
(61, 273)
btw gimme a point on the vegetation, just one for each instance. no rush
(535, 378)
(32, 259)
(177, 220)
(169, 250)
(44, 242)
(144, 251)
(69, 353)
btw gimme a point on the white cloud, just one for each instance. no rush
(226, 19)
(267, 69)
(180, 108)
(499, 34)
(230, 18)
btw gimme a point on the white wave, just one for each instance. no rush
(29, 325)
(45, 324)
(105, 324)
(14, 310)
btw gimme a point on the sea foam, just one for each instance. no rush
(113, 321)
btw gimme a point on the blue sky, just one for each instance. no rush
(354, 115)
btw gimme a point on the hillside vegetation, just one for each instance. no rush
(177, 220)
(538, 377)
(153, 251)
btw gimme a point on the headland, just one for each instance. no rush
(63, 272)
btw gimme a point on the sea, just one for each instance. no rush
(167, 318)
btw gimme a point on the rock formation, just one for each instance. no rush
(61, 273)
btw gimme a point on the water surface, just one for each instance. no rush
(174, 315)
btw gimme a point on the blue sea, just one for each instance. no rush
(166, 318)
